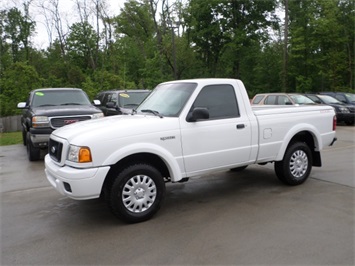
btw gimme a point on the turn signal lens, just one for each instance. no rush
(84, 155)
(79, 154)
(40, 121)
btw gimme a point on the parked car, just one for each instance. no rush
(344, 97)
(118, 102)
(184, 129)
(345, 113)
(48, 109)
(281, 99)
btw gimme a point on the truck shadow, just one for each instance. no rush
(209, 194)
(255, 187)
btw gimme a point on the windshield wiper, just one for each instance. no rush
(43, 105)
(156, 113)
(71, 104)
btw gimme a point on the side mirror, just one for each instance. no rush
(96, 102)
(198, 113)
(21, 105)
(110, 105)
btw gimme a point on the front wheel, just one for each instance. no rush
(33, 153)
(24, 137)
(296, 165)
(136, 193)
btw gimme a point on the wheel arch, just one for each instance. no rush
(146, 152)
(136, 158)
(308, 135)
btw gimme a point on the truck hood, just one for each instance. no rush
(113, 127)
(65, 110)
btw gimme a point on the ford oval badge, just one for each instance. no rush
(53, 149)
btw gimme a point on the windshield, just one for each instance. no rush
(59, 97)
(132, 99)
(168, 99)
(301, 99)
(329, 99)
(350, 96)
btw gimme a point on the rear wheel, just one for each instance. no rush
(136, 193)
(33, 153)
(296, 165)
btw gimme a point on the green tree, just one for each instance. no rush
(320, 45)
(135, 28)
(346, 19)
(17, 29)
(5, 47)
(17, 81)
(207, 30)
(81, 45)
(218, 26)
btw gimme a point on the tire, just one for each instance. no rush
(136, 193)
(296, 165)
(33, 153)
(24, 137)
(239, 169)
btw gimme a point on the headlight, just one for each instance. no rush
(344, 110)
(40, 121)
(98, 115)
(79, 154)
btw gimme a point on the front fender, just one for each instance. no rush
(174, 164)
(293, 132)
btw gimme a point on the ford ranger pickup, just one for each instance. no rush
(183, 129)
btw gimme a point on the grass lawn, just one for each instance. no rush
(10, 138)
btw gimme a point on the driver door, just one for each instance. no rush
(221, 141)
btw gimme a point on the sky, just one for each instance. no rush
(67, 8)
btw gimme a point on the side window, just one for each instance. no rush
(271, 99)
(28, 100)
(341, 98)
(220, 100)
(257, 99)
(114, 98)
(283, 100)
(107, 98)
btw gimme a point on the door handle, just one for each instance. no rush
(240, 126)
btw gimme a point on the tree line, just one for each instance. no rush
(151, 41)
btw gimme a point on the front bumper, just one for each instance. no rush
(40, 137)
(79, 184)
(40, 141)
(346, 117)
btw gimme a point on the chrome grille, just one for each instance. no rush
(55, 150)
(57, 122)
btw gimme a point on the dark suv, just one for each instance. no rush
(118, 102)
(344, 112)
(48, 109)
(344, 97)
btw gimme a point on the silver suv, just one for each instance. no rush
(281, 99)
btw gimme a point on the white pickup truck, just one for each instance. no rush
(183, 129)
